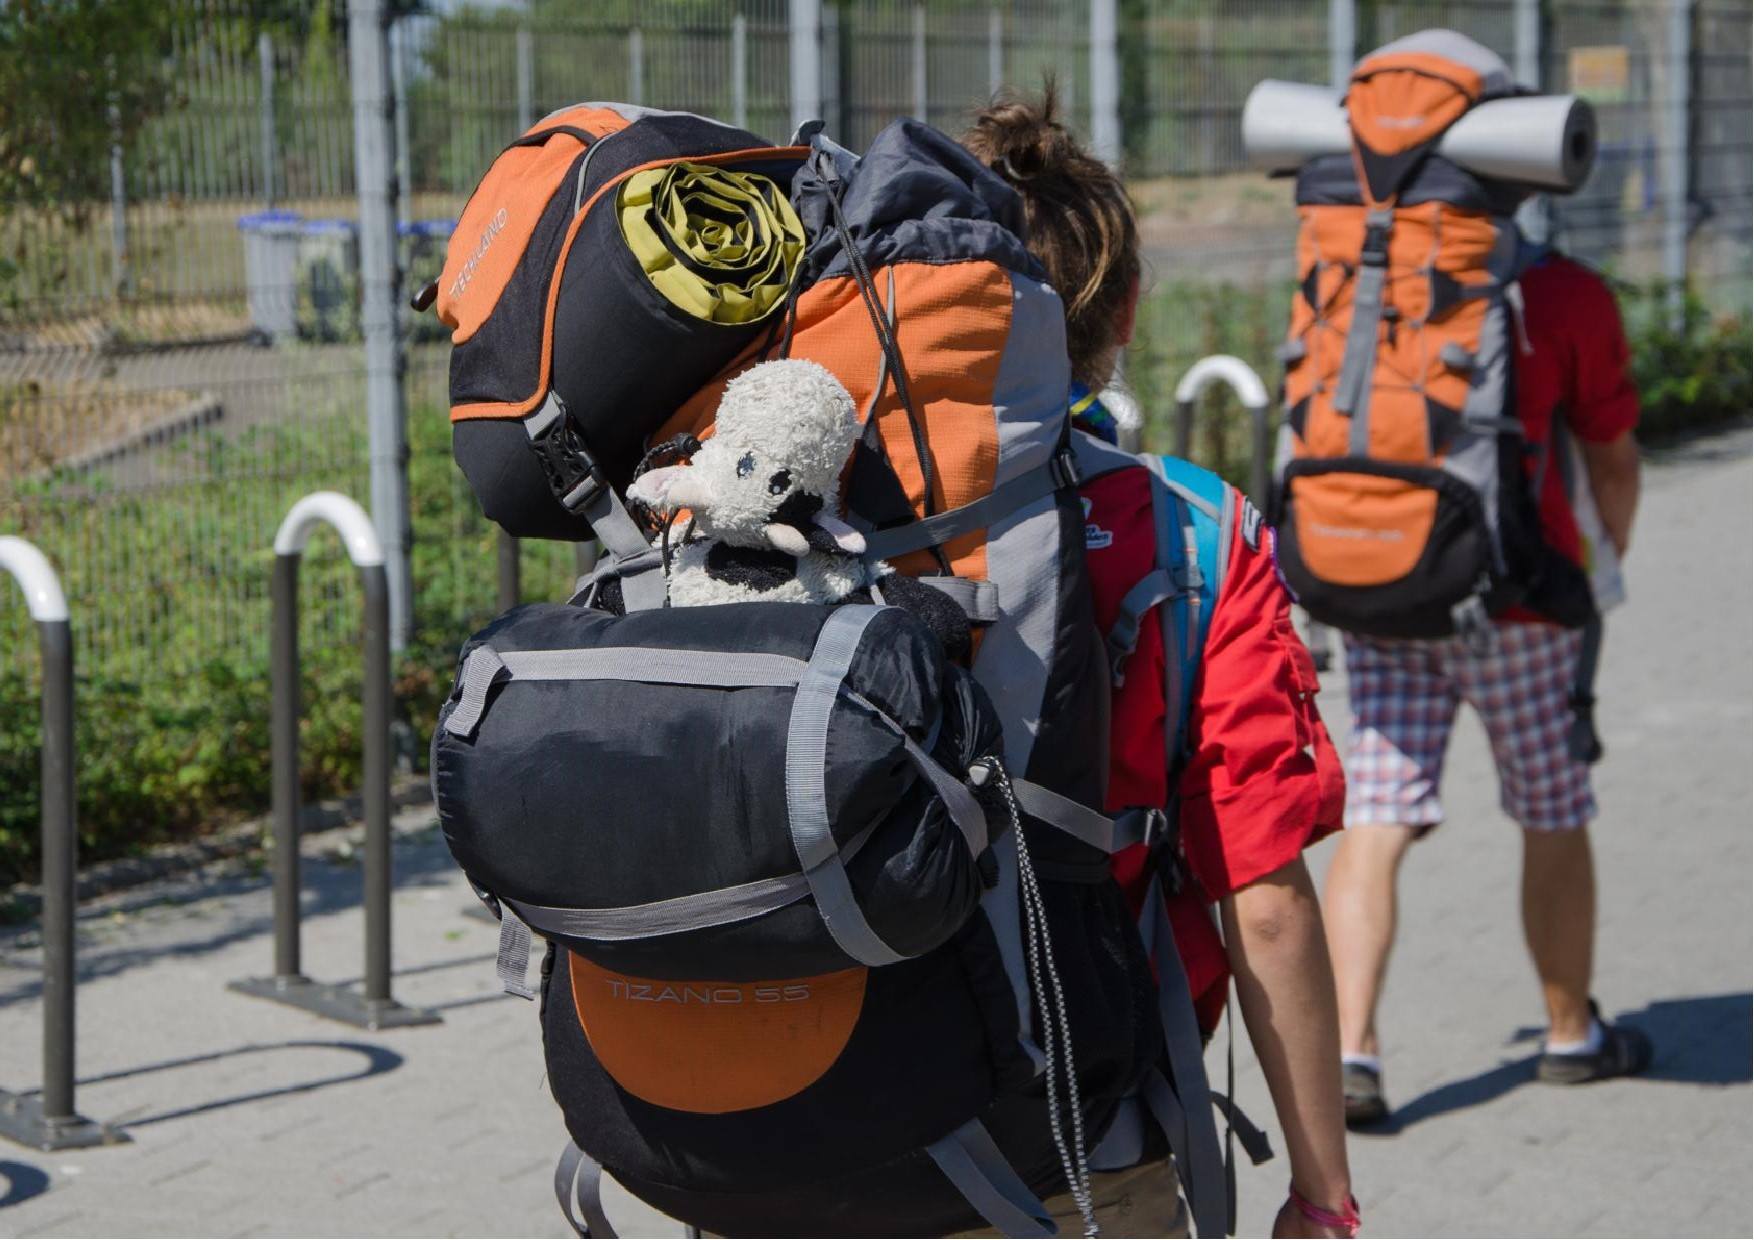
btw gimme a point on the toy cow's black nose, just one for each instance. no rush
(796, 509)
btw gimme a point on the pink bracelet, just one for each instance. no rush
(1347, 1224)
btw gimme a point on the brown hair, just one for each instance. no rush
(1081, 222)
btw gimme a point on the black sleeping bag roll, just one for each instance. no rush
(743, 792)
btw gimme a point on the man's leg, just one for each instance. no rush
(1559, 923)
(1359, 909)
(1522, 691)
(1402, 711)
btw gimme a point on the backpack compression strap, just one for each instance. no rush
(578, 1176)
(580, 487)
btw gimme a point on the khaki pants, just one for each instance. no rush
(1141, 1201)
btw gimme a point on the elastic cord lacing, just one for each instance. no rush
(1056, 1027)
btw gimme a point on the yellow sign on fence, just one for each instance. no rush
(1601, 74)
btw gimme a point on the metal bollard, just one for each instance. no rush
(1223, 368)
(48, 1121)
(374, 1008)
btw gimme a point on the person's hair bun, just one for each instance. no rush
(1022, 139)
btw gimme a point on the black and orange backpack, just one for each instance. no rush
(793, 986)
(1404, 506)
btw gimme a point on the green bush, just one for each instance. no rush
(1690, 374)
(1179, 323)
(177, 742)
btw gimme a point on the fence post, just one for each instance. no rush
(118, 213)
(49, 1121)
(526, 75)
(1527, 53)
(511, 582)
(374, 1008)
(995, 51)
(1105, 82)
(806, 60)
(922, 95)
(833, 92)
(1674, 153)
(404, 148)
(740, 71)
(1342, 42)
(373, 138)
(636, 65)
(265, 110)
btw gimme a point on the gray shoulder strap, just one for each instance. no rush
(1188, 1123)
(579, 1176)
(971, 1161)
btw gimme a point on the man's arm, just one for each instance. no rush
(1285, 983)
(1612, 468)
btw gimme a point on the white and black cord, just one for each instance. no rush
(1056, 1031)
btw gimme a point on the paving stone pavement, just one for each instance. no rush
(252, 1119)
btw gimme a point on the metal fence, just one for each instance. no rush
(153, 428)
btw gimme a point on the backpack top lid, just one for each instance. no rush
(1406, 94)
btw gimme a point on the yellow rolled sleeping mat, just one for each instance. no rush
(672, 275)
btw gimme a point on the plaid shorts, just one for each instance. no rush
(1404, 698)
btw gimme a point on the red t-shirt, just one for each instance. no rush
(1262, 782)
(1577, 368)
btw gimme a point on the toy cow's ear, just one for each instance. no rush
(845, 537)
(787, 538)
(652, 488)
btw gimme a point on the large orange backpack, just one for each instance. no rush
(1404, 507)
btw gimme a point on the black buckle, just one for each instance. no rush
(1162, 839)
(1064, 466)
(573, 474)
(1376, 246)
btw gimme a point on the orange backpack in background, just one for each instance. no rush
(1404, 507)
